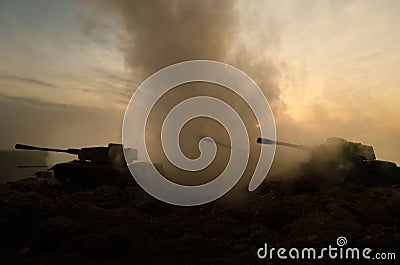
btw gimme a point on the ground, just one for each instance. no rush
(45, 222)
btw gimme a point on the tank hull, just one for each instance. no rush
(90, 174)
(375, 173)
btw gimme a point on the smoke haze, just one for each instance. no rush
(156, 34)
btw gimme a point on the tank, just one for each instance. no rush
(94, 166)
(345, 160)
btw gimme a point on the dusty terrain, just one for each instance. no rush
(45, 222)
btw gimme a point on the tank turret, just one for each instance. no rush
(333, 146)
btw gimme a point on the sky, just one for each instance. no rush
(328, 68)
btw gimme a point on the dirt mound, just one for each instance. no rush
(43, 221)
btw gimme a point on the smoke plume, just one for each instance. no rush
(155, 34)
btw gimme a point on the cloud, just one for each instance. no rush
(32, 101)
(26, 80)
(33, 121)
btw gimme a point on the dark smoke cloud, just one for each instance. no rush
(159, 33)
(155, 34)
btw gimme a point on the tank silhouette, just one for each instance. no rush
(102, 165)
(348, 161)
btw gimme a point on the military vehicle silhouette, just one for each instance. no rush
(101, 165)
(353, 162)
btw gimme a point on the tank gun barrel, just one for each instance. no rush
(30, 147)
(297, 146)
